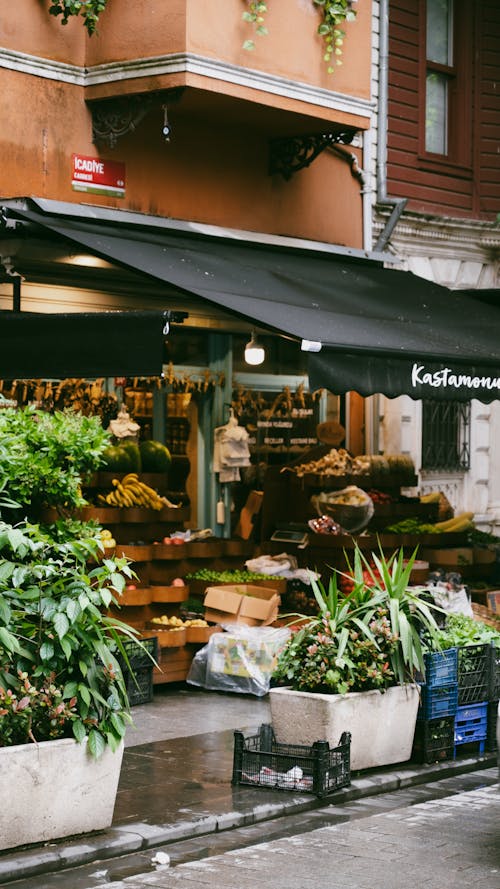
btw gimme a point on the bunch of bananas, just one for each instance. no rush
(130, 491)
(462, 522)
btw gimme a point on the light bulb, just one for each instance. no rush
(254, 354)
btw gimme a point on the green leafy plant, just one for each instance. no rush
(47, 457)
(255, 16)
(334, 15)
(461, 630)
(58, 647)
(34, 711)
(90, 10)
(365, 638)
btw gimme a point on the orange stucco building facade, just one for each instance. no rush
(224, 105)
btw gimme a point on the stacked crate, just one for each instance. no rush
(471, 720)
(435, 729)
(493, 697)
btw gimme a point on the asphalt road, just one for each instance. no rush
(435, 836)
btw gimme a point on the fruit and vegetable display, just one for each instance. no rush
(340, 463)
(176, 623)
(126, 456)
(459, 524)
(233, 576)
(131, 491)
(335, 462)
(107, 539)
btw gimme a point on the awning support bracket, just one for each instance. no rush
(293, 153)
(117, 117)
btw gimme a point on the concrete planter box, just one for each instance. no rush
(382, 724)
(55, 789)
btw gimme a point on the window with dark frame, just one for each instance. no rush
(446, 435)
(446, 72)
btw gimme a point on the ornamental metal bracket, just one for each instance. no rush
(291, 154)
(116, 117)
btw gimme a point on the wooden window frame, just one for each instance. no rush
(458, 160)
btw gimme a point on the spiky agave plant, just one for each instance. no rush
(409, 611)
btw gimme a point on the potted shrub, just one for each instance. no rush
(45, 459)
(353, 667)
(63, 701)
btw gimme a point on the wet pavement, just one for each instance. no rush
(175, 788)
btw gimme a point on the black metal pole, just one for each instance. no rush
(16, 293)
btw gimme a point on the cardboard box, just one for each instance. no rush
(453, 556)
(242, 603)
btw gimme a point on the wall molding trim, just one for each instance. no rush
(185, 63)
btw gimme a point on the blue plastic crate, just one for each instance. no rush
(441, 667)
(438, 702)
(471, 725)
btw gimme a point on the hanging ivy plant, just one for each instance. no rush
(335, 14)
(90, 10)
(255, 16)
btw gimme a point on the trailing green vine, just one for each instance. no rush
(90, 10)
(335, 14)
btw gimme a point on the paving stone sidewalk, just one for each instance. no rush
(176, 783)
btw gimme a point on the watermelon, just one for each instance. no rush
(133, 451)
(117, 459)
(155, 456)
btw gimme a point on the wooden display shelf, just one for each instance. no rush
(201, 635)
(139, 596)
(173, 665)
(136, 553)
(374, 541)
(167, 637)
(161, 593)
(360, 480)
(198, 587)
(156, 480)
(161, 552)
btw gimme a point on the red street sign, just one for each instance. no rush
(98, 176)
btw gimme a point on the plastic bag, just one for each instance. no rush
(241, 659)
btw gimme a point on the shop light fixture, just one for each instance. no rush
(254, 353)
(310, 346)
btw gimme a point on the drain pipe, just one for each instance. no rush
(398, 204)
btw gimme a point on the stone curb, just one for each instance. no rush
(138, 836)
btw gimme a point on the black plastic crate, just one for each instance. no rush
(494, 674)
(435, 703)
(473, 674)
(441, 667)
(139, 684)
(491, 729)
(137, 656)
(260, 761)
(434, 739)
(138, 677)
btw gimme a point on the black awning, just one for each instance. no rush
(94, 344)
(373, 323)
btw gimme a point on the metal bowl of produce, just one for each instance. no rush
(351, 507)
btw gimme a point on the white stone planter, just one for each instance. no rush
(382, 724)
(55, 789)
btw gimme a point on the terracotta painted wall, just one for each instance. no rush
(213, 170)
(292, 48)
(26, 26)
